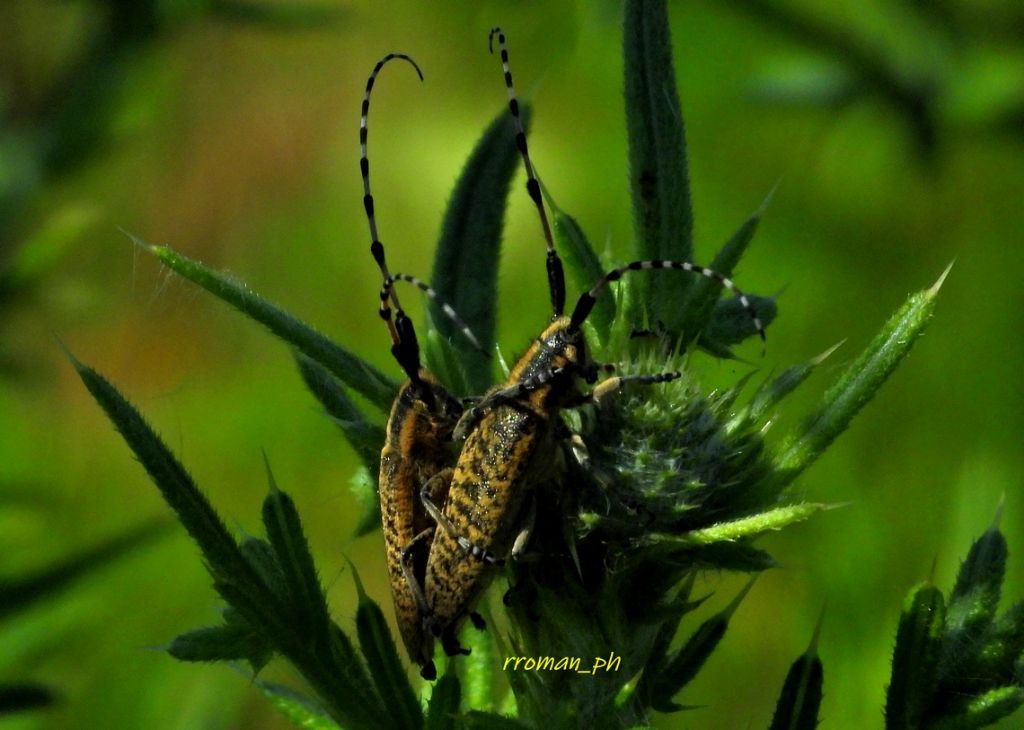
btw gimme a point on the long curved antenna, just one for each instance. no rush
(556, 276)
(587, 300)
(387, 290)
(404, 346)
(376, 247)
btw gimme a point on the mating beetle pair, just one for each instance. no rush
(451, 514)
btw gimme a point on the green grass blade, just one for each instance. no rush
(858, 384)
(365, 437)
(352, 370)
(659, 181)
(466, 263)
(378, 646)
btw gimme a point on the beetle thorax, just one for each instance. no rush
(558, 351)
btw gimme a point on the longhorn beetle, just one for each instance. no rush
(418, 437)
(509, 435)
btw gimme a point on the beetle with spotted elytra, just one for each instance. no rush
(418, 441)
(513, 435)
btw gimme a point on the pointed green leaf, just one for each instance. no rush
(915, 659)
(980, 580)
(583, 265)
(973, 603)
(769, 394)
(284, 531)
(382, 658)
(684, 664)
(858, 384)
(800, 699)
(466, 263)
(659, 654)
(443, 710)
(365, 437)
(352, 370)
(705, 292)
(20, 593)
(302, 711)
(22, 696)
(659, 180)
(744, 528)
(232, 641)
(222, 555)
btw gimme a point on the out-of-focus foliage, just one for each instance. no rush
(236, 143)
(50, 132)
(946, 69)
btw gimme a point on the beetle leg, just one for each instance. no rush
(611, 385)
(426, 496)
(527, 530)
(407, 569)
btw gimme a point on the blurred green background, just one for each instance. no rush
(228, 130)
